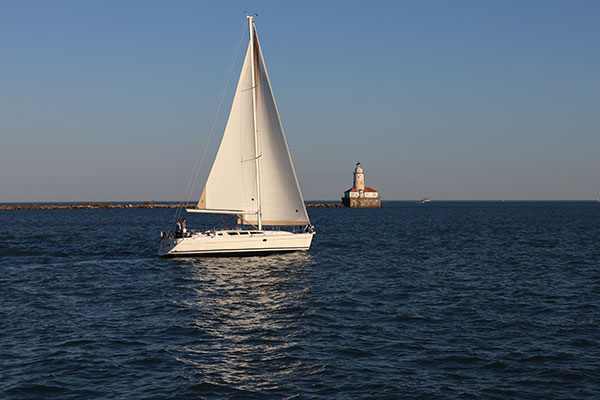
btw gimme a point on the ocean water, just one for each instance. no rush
(444, 300)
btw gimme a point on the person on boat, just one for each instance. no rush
(183, 229)
(178, 232)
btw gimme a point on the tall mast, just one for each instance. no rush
(256, 154)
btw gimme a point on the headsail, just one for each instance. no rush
(232, 180)
(231, 183)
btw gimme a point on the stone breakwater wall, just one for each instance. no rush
(324, 205)
(84, 206)
(108, 206)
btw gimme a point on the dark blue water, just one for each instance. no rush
(444, 300)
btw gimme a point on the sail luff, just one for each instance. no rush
(256, 151)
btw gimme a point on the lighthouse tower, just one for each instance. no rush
(360, 195)
(359, 177)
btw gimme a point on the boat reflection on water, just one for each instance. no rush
(247, 315)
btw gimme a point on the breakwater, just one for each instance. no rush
(108, 206)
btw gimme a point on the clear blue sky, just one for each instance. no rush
(112, 100)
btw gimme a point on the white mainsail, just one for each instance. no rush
(232, 184)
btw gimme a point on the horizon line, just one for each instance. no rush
(306, 201)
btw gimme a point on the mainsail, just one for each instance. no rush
(232, 184)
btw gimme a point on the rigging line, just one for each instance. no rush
(189, 190)
(212, 128)
(200, 158)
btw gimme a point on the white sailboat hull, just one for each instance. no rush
(235, 242)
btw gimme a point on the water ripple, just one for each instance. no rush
(447, 300)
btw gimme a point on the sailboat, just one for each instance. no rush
(252, 178)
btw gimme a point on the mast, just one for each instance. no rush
(256, 154)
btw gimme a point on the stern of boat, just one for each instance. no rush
(167, 244)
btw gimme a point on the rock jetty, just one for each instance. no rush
(85, 206)
(110, 206)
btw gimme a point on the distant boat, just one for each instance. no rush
(252, 177)
(426, 200)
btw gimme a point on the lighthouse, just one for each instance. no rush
(361, 196)
(359, 178)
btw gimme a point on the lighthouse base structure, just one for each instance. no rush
(361, 202)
